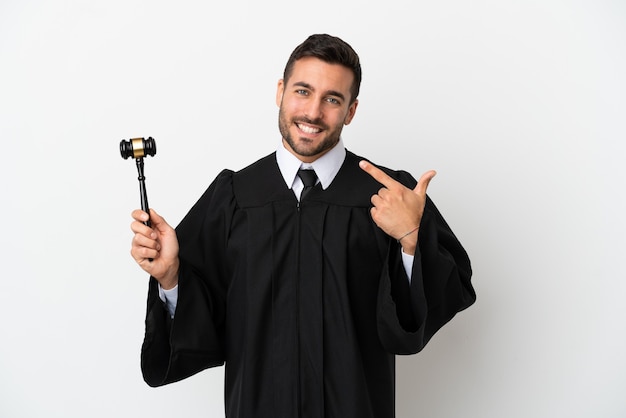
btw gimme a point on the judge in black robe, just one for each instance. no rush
(306, 303)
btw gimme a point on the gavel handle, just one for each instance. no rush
(142, 190)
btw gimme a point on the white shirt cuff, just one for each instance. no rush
(407, 262)
(170, 297)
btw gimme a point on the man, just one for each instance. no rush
(304, 292)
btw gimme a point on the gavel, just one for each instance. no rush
(139, 148)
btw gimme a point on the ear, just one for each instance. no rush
(280, 89)
(351, 112)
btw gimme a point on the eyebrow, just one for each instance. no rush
(330, 92)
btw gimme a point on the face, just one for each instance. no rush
(314, 106)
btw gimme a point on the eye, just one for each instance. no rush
(302, 92)
(333, 100)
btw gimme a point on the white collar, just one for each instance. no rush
(326, 167)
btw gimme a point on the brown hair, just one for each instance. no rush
(332, 50)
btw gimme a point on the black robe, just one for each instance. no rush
(305, 303)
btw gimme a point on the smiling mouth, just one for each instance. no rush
(308, 129)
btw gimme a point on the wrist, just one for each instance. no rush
(409, 249)
(408, 241)
(170, 279)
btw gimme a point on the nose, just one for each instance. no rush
(314, 110)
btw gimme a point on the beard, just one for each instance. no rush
(304, 146)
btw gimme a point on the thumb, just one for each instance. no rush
(424, 181)
(157, 220)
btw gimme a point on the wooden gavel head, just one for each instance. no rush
(137, 147)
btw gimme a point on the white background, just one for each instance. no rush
(519, 106)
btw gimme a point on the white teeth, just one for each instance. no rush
(308, 129)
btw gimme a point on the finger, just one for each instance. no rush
(138, 227)
(158, 221)
(424, 181)
(142, 241)
(374, 213)
(378, 174)
(140, 215)
(376, 200)
(141, 254)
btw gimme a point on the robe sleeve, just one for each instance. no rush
(409, 314)
(192, 341)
